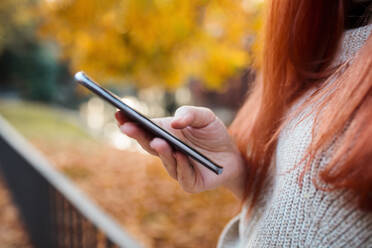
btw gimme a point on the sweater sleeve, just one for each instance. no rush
(229, 237)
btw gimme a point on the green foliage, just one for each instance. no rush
(32, 70)
(29, 67)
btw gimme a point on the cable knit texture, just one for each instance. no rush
(288, 215)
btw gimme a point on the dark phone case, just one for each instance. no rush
(147, 124)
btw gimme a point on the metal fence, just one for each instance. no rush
(54, 211)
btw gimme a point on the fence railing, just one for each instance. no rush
(54, 211)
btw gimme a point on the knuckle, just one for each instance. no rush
(189, 189)
(170, 169)
(186, 185)
(172, 175)
(167, 166)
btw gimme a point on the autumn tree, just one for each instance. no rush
(28, 65)
(16, 22)
(149, 42)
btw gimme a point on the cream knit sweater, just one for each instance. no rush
(290, 216)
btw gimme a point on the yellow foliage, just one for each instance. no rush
(154, 41)
(16, 17)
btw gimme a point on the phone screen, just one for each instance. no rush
(146, 123)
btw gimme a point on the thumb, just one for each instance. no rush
(196, 117)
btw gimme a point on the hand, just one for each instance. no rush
(202, 130)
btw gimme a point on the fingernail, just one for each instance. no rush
(180, 119)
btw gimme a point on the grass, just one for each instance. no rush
(39, 121)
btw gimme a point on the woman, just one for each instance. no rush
(299, 152)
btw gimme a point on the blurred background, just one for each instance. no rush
(155, 54)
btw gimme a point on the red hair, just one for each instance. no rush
(301, 40)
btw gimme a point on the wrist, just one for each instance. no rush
(236, 182)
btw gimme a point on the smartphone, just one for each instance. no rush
(146, 123)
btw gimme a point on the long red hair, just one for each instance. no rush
(301, 40)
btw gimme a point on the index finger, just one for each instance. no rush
(120, 117)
